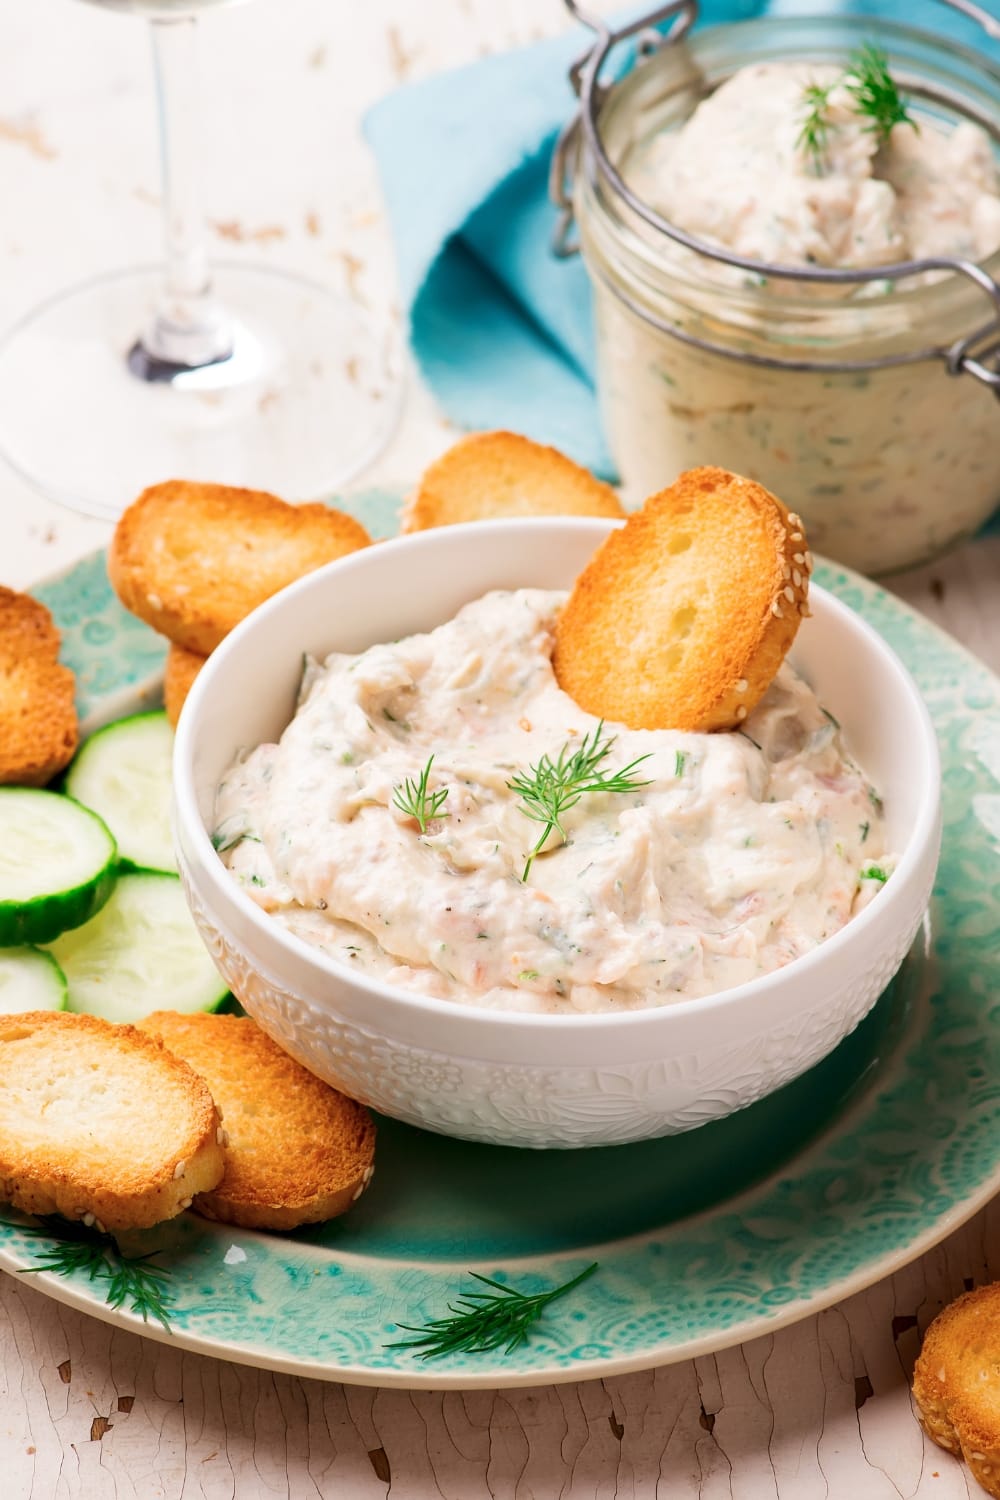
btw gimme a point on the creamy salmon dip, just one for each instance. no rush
(737, 852)
(739, 172)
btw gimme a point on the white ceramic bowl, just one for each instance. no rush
(529, 1079)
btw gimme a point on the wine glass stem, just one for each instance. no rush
(188, 328)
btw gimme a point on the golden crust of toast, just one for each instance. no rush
(297, 1152)
(683, 616)
(100, 1122)
(38, 724)
(956, 1382)
(181, 669)
(193, 560)
(493, 474)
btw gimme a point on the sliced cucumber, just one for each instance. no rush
(123, 774)
(140, 953)
(30, 980)
(57, 865)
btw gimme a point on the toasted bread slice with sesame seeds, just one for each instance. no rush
(101, 1123)
(193, 560)
(682, 617)
(179, 674)
(492, 474)
(956, 1383)
(38, 724)
(297, 1151)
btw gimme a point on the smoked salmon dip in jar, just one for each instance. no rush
(792, 230)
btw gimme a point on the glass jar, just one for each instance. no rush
(871, 408)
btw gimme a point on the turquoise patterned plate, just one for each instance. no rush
(703, 1240)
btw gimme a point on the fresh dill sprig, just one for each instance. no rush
(130, 1279)
(874, 91)
(812, 137)
(481, 1321)
(413, 798)
(552, 787)
(875, 94)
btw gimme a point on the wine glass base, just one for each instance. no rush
(308, 397)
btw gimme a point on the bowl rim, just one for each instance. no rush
(921, 837)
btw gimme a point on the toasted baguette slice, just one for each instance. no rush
(181, 670)
(192, 560)
(494, 474)
(38, 725)
(683, 616)
(297, 1151)
(956, 1382)
(101, 1122)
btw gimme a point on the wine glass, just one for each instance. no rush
(236, 374)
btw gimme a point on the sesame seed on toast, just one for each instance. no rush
(182, 667)
(956, 1382)
(492, 474)
(38, 724)
(297, 1152)
(683, 616)
(101, 1123)
(193, 560)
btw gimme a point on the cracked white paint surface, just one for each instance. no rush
(778, 1417)
(88, 1412)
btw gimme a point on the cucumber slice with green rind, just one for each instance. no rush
(30, 980)
(123, 774)
(57, 865)
(140, 953)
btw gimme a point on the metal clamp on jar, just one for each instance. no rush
(867, 399)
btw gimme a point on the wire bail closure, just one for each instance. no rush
(977, 354)
(584, 77)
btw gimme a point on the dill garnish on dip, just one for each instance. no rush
(415, 801)
(874, 95)
(799, 163)
(552, 787)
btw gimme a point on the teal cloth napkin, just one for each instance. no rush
(500, 328)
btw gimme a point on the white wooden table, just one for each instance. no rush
(819, 1409)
